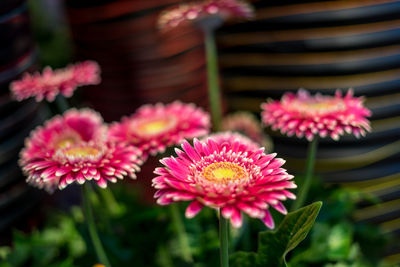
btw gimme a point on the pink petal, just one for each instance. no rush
(236, 218)
(268, 220)
(193, 208)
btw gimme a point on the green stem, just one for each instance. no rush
(112, 204)
(213, 79)
(305, 187)
(87, 209)
(181, 232)
(223, 240)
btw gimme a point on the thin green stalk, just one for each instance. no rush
(214, 93)
(87, 209)
(223, 240)
(305, 187)
(181, 232)
(112, 204)
(103, 216)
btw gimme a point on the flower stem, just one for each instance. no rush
(181, 232)
(112, 204)
(303, 191)
(101, 255)
(213, 79)
(223, 240)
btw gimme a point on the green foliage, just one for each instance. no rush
(273, 246)
(54, 246)
(142, 234)
(335, 239)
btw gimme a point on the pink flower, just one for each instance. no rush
(227, 138)
(153, 128)
(73, 148)
(230, 177)
(51, 83)
(247, 124)
(306, 115)
(194, 11)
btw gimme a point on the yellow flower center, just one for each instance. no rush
(317, 106)
(82, 152)
(64, 143)
(224, 172)
(154, 126)
(58, 77)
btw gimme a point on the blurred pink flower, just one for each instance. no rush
(53, 82)
(247, 124)
(153, 128)
(227, 138)
(73, 148)
(225, 176)
(194, 11)
(304, 115)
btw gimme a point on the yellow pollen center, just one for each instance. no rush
(224, 171)
(64, 143)
(58, 76)
(82, 152)
(154, 126)
(322, 106)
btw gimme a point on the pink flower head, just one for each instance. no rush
(230, 177)
(247, 124)
(194, 11)
(73, 148)
(153, 128)
(306, 115)
(228, 138)
(51, 83)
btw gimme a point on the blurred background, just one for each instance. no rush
(316, 45)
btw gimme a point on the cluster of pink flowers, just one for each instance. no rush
(53, 82)
(304, 115)
(189, 12)
(226, 170)
(79, 146)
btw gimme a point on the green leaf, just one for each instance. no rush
(273, 246)
(22, 250)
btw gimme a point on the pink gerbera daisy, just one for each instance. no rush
(73, 148)
(195, 11)
(51, 83)
(304, 115)
(247, 124)
(230, 177)
(153, 128)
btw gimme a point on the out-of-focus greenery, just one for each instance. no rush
(337, 241)
(55, 245)
(51, 34)
(141, 234)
